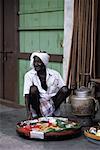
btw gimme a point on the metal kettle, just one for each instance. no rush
(82, 102)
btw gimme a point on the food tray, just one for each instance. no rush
(63, 129)
(91, 136)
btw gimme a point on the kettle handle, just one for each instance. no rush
(96, 103)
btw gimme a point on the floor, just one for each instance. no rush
(9, 139)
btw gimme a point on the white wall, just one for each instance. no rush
(68, 28)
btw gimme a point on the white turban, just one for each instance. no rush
(42, 55)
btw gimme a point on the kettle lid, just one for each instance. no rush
(83, 91)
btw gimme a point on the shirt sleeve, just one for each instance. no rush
(60, 81)
(27, 84)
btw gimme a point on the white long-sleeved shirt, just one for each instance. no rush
(54, 82)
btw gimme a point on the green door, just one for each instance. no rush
(41, 26)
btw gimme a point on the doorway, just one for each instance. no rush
(8, 50)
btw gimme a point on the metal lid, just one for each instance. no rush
(82, 91)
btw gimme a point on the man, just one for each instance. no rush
(44, 88)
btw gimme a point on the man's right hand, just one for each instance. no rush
(29, 115)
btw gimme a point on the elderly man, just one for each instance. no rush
(44, 88)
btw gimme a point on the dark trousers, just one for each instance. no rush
(60, 97)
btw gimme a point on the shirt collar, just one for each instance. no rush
(48, 73)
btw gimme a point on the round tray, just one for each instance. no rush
(53, 135)
(91, 137)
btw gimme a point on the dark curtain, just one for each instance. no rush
(82, 58)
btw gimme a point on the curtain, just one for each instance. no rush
(83, 46)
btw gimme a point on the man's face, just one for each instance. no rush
(38, 64)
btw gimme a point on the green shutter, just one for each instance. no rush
(41, 26)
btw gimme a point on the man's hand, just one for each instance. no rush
(29, 116)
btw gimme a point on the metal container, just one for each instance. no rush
(82, 102)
